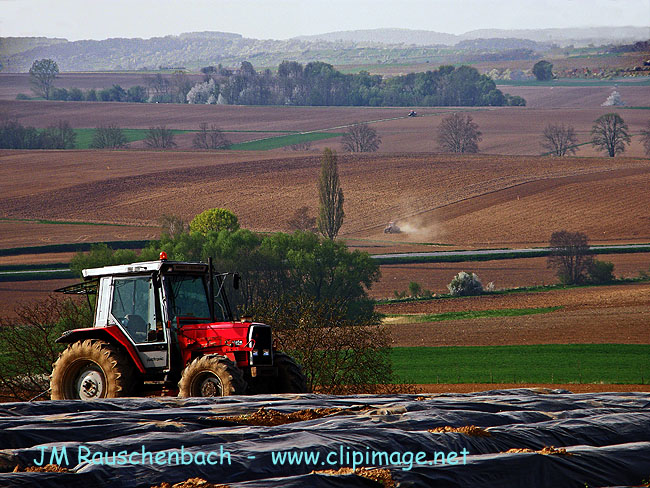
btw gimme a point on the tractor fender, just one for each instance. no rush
(112, 334)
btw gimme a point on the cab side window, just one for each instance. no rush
(134, 307)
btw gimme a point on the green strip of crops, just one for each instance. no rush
(469, 314)
(85, 136)
(547, 363)
(282, 141)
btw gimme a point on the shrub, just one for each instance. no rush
(600, 272)
(415, 289)
(214, 220)
(465, 284)
(108, 137)
(399, 294)
(28, 343)
(159, 138)
(337, 355)
(75, 95)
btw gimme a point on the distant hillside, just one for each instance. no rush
(197, 49)
(387, 36)
(194, 50)
(189, 50)
(13, 45)
(577, 36)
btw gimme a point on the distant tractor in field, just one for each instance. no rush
(160, 327)
(392, 228)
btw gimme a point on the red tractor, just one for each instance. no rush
(159, 327)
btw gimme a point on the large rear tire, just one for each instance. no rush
(210, 376)
(291, 378)
(91, 369)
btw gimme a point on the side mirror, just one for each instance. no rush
(235, 281)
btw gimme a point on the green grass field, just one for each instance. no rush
(85, 136)
(282, 141)
(548, 363)
(467, 314)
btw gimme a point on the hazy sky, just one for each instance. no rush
(282, 19)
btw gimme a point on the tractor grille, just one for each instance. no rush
(262, 353)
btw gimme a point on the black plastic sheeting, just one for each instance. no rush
(607, 435)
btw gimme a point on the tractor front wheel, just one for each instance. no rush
(89, 370)
(210, 376)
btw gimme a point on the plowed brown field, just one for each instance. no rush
(509, 130)
(15, 294)
(506, 130)
(580, 97)
(488, 201)
(507, 273)
(611, 314)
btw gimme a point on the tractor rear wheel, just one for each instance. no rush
(210, 376)
(89, 370)
(291, 378)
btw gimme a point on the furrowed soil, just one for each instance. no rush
(506, 273)
(505, 130)
(465, 201)
(591, 315)
(15, 294)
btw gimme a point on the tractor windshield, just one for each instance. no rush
(187, 297)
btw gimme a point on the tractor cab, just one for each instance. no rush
(160, 317)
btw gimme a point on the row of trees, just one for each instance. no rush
(134, 94)
(458, 133)
(14, 135)
(609, 134)
(318, 83)
(158, 89)
(315, 83)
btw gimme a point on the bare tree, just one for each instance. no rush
(301, 220)
(330, 212)
(457, 133)
(360, 137)
(108, 137)
(60, 136)
(28, 343)
(180, 86)
(42, 75)
(645, 137)
(210, 138)
(559, 139)
(159, 138)
(300, 146)
(159, 87)
(610, 133)
(172, 225)
(570, 256)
